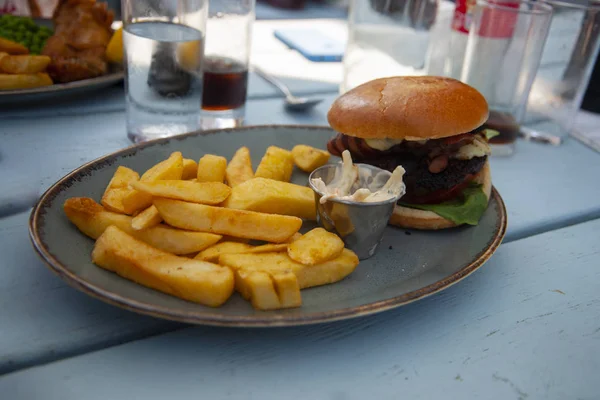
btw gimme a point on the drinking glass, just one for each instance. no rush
(164, 44)
(386, 38)
(227, 54)
(502, 57)
(566, 65)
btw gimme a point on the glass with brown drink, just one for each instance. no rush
(225, 64)
(505, 44)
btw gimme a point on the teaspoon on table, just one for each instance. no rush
(292, 102)
(538, 136)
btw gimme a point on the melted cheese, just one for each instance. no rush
(382, 144)
(478, 148)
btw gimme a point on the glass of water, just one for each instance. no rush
(567, 62)
(227, 55)
(164, 46)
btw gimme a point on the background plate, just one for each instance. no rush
(409, 264)
(61, 91)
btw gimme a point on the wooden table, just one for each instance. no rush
(527, 326)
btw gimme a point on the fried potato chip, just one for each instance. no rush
(92, 219)
(195, 192)
(11, 47)
(24, 81)
(239, 169)
(213, 253)
(169, 169)
(308, 158)
(188, 279)
(146, 219)
(190, 169)
(308, 276)
(269, 291)
(315, 247)
(118, 188)
(276, 164)
(225, 221)
(23, 64)
(273, 197)
(212, 168)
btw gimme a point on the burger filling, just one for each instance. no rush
(438, 171)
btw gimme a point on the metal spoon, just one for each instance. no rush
(292, 102)
(539, 136)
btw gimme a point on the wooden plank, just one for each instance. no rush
(526, 326)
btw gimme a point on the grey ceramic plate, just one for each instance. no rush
(407, 267)
(60, 91)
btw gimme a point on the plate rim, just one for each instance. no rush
(203, 318)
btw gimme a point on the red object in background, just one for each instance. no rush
(28, 8)
(504, 20)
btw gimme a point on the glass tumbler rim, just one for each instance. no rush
(538, 7)
(566, 4)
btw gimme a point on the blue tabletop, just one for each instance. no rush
(545, 188)
(526, 326)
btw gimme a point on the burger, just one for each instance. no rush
(432, 126)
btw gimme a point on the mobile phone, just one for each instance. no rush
(312, 44)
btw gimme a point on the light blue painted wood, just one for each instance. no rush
(112, 99)
(42, 319)
(526, 326)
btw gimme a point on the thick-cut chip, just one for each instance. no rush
(190, 169)
(308, 158)
(169, 169)
(212, 168)
(12, 47)
(23, 64)
(188, 279)
(92, 219)
(225, 221)
(213, 253)
(24, 81)
(269, 292)
(146, 219)
(239, 169)
(287, 288)
(118, 188)
(277, 164)
(273, 197)
(316, 247)
(195, 192)
(308, 276)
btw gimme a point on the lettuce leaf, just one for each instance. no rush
(465, 209)
(490, 133)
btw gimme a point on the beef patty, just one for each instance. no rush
(422, 185)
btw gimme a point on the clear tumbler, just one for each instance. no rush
(164, 46)
(502, 57)
(566, 65)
